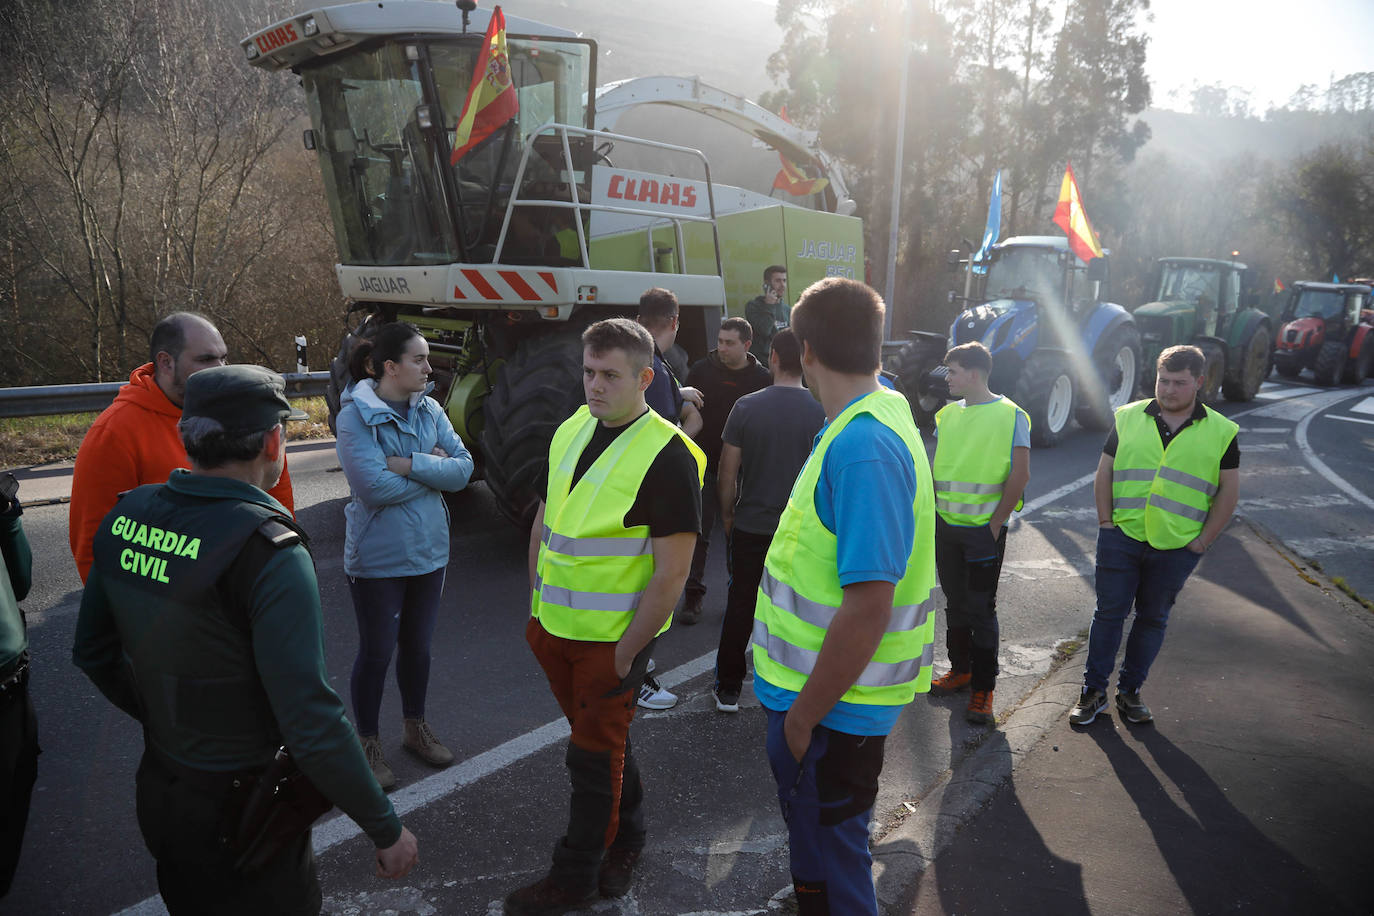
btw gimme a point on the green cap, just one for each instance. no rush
(243, 399)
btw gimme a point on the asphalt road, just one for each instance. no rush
(717, 844)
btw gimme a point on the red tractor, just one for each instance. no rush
(1326, 327)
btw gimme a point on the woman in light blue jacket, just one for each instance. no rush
(399, 453)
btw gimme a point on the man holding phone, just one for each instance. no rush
(768, 313)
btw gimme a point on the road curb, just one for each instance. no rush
(905, 850)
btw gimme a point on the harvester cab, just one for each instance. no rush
(504, 250)
(1058, 350)
(1326, 327)
(1200, 301)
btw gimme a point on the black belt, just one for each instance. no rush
(18, 677)
(212, 782)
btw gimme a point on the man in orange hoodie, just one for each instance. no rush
(135, 440)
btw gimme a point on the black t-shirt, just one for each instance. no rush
(669, 498)
(1230, 460)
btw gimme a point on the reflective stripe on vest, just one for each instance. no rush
(973, 459)
(800, 592)
(592, 570)
(1162, 496)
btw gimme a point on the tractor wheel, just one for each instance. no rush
(910, 364)
(1118, 373)
(1242, 383)
(1356, 369)
(535, 390)
(1214, 370)
(1046, 391)
(1366, 362)
(1330, 364)
(1288, 368)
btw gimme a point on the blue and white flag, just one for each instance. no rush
(994, 227)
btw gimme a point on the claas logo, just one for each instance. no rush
(278, 37)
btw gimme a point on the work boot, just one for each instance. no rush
(420, 741)
(980, 708)
(1090, 702)
(376, 761)
(950, 682)
(1131, 707)
(691, 610)
(549, 896)
(617, 871)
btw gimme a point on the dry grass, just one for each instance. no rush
(26, 441)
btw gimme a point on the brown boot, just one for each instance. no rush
(617, 870)
(420, 741)
(979, 710)
(549, 897)
(950, 682)
(376, 761)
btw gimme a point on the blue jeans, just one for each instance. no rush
(1131, 572)
(393, 613)
(826, 801)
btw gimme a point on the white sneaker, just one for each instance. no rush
(652, 696)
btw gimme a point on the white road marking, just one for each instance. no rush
(1056, 494)
(1272, 470)
(1365, 406)
(1275, 392)
(1320, 547)
(1312, 401)
(1310, 501)
(1336, 480)
(1350, 419)
(1263, 446)
(1048, 568)
(1277, 430)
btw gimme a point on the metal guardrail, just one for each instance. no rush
(47, 400)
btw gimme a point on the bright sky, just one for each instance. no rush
(1268, 46)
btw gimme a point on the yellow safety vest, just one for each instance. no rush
(800, 592)
(973, 459)
(1161, 495)
(591, 569)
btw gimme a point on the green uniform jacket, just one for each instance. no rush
(219, 670)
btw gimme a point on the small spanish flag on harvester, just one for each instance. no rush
(790, 177)
(491, 100)
(1278, 285)
(1070, 216)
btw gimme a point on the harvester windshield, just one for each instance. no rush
(384, 117)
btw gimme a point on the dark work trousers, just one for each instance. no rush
(745, 552)
(394, 615)
(826, 801)
(181, 825)
(696, 579)
(607, 794)
(18, 770)
(969, 562)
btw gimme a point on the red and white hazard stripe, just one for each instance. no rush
(505, 284)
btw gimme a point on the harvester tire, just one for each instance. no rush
(1046, 391)
(1243, 382)
(1214, 370)
(910, 364)
(1330, 363)
(535, 390)
(1117, 361)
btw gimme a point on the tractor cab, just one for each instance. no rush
(1201, 293)
(384, 105)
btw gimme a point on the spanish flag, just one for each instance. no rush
(1070, 216)
(491, 100)
(790, 177)
(1278, 285)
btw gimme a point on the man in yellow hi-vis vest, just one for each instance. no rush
(843, 629)
(1166, 486)
(609, 552)
(982, 465)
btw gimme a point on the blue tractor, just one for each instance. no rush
(1057, 350)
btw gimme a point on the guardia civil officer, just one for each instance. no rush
(201, 619)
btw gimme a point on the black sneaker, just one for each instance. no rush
(1131, 708)
(1090, 702)
(727, 699)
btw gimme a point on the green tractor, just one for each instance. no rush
(1198, 301)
